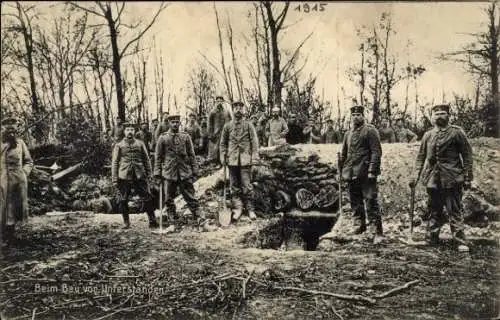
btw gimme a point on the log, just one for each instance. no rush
(283, 201)
(312, 214)
(67, 171)
(304, 199)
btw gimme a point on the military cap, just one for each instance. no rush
(191, 115)
(441, 107)
(357, 109)
(219, 98)
(127, 124)
(174, 117)
(329, 120)
(238, 104)
(10, 120)
(275, 109)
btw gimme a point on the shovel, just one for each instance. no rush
(409, 239)
(225, 213)
(161, 230)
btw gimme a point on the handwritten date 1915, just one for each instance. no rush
(310, 7)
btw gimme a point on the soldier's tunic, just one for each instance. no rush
(162, 128)
(16, 165)
(405, 135)
(240, 146)
(444, 163)
(361, 154)
(175, 161)
(131, 169)
(216, 121)
(331, 136)
(194, 131)
(276, 129)
(387, 135)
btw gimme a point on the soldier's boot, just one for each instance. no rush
(9, 235)
(377, 231)
(200, 216)
(460, 242)
(250, 210)
(153, 224)
(359, 226)
(432, 237)
(126, 221)
(237, 208)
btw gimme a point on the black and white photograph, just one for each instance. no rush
(249, 160)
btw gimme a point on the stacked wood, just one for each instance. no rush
(287, 178)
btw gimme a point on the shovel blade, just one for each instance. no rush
(225, 217)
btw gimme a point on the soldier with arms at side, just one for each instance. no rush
(276, 129)
(131, 168)
(239, 148)
(217, 118)
(360, 163)
(444, 165)
(386, 132)
(176, 167)
(404, 134)
(16, 166)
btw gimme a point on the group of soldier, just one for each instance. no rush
(443, 165)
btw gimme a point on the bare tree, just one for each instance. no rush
(481, 58)
(201, 88)
(112, 13)
(22, 23)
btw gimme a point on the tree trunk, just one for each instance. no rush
(116, 64)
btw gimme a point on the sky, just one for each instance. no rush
(184, 29)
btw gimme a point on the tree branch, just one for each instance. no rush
(162, 7)
(85, 9)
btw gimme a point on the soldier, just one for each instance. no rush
(404, 134)
(162, 127)
(145, 135)
(239, 150)
(131, 168)
(330, 135)
(294, 135)
(444, 165)
(118, 130)
(276, 129)
(16, 166)
(360, 160)
(176, 166)
(194, 131)
(312, 132)
(386, 132)
(216, 121)
(204, 136)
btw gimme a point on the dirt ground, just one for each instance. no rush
(82, 266)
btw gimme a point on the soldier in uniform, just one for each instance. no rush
(145, 135)
(162, 127)
(194, 131)
(217, 118)
(16, 166)
(131, 168)
(312, 132)
(404, 134)
(276, 129)
(386, 132)
(118, 130)
(330, 135)
(176, 166)
(444, 165)
(360, 163)
(239, 148)
(294, 135)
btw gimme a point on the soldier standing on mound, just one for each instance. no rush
(360, 163)
(444, 165)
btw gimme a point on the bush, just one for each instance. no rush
(83, 137)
